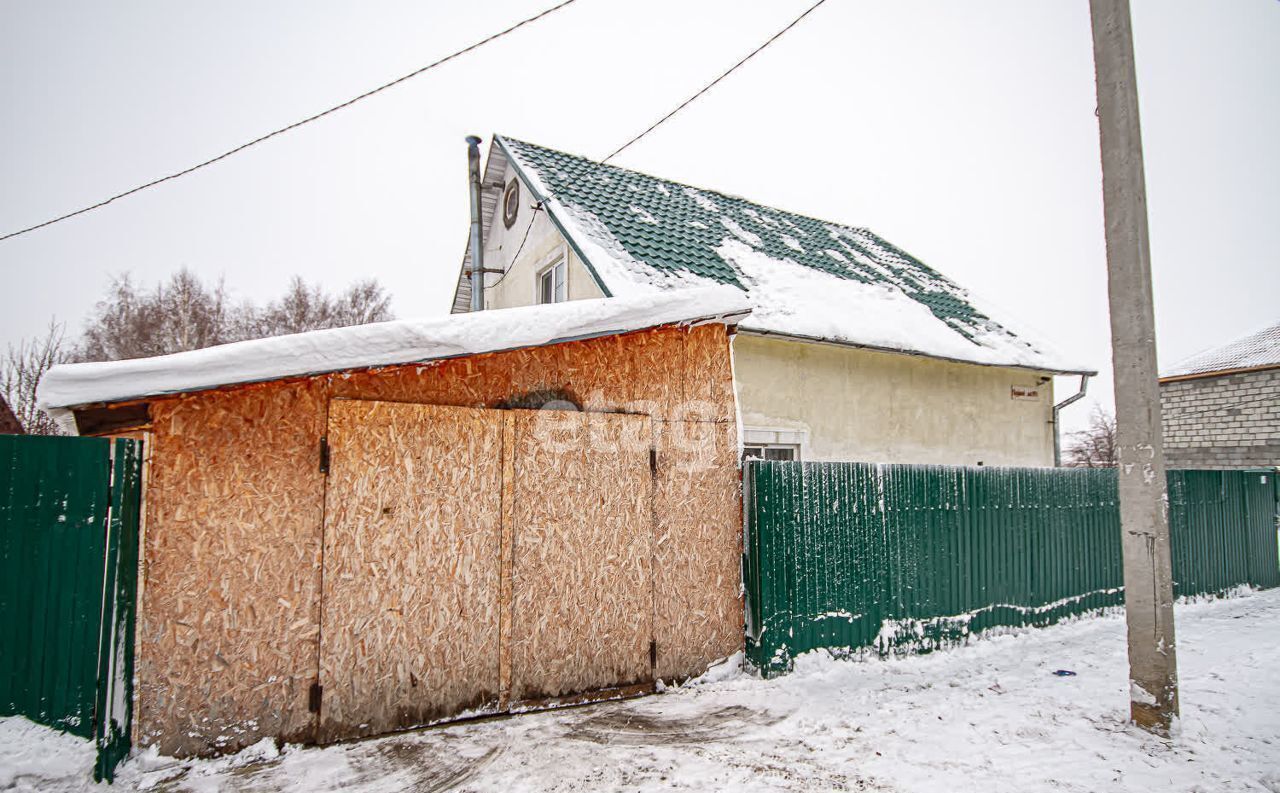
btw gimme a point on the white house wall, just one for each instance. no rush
(518, 286)
(841, 403)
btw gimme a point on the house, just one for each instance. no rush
(854, 349)
(9, 424)
(1221, 407)
(358, 530)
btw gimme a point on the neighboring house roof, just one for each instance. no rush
(379, 344)
(9, 424)
(807, 278)
(1258, 350)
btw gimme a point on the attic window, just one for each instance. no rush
(511, 203)
(551, 283)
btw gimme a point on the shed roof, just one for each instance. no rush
(379, 344)
(1257, 350)
(806, 278)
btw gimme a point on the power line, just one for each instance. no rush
(667, 117)
(713, 83)
(296, 124)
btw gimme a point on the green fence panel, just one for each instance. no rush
(69, 511)
(858, 557)
(53, 508)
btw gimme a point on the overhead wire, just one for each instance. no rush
(714, 82)
(296, 124)
(667, 117)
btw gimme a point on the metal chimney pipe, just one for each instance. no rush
(477, 243)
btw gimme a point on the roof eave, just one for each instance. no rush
(1175, 378)
(747, 331)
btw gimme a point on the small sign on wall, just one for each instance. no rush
(1024, 393)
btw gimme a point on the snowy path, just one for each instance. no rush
(988, 717)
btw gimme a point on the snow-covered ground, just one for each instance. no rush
(988, 717)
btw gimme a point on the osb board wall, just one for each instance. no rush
(698, 610)
(230, 618)
(227, 630)
(661, 373)
(409, 625)
(583, 533)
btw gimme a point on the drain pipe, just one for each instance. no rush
(477, 244)
(1057, 434)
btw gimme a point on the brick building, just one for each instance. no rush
(1221, 407)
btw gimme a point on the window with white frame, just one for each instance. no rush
(770, 451)
(551, 283)
(773, 443)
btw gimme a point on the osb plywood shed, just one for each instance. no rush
(312, 571)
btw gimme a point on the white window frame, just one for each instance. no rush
(765, 447)
(559, 259)
(775, 438)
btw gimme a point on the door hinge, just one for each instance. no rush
(653, 461)
(314, 697)
(324, 455)
(653, 653)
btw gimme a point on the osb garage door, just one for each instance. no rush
(409, 612)
(480, 557)
(582, 615)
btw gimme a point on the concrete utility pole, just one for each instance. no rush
(1144, 501)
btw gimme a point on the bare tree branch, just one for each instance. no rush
(1094, 446)
(20, 373)
(186, 314)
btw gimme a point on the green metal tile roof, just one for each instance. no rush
(673, 228)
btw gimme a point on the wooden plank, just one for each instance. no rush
(409, 629)
(582, 572)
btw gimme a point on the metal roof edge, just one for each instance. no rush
(1175, 378)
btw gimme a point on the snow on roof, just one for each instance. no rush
(1251, 351)
(806, 278)
(380, 344)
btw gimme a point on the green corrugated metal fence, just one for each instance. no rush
(885, 558)
(68, 576)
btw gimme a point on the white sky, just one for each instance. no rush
(962, 132)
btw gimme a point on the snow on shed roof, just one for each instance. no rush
(1254, 350)
(807, 278)
(379, 344)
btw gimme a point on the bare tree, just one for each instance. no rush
(1095, 445)
(20, 373)
(363, 302)
(187, 314)
(306, 307)
(182, 314)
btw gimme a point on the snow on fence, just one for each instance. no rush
(859, 557)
